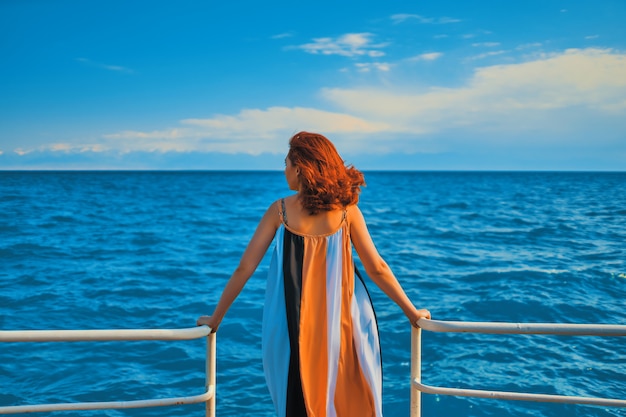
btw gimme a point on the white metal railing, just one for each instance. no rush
(207, 397)
(502, 328)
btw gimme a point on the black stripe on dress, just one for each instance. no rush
(293, 254)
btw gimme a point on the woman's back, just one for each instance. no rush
(299, 221)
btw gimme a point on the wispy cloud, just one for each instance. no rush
(486, 44)
(486, 55)
(282, 35)
(63, 148)
(476, 34)
(403, 17)
(369, 66)
(532, 45)
(252, 131)
(349, 45)
(561, 95)
(430, 56)
(552, 93)
(115, 68)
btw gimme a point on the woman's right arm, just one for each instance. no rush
(376, 267)
(252, 256)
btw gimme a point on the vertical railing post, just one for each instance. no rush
(416, 371)
(210, 373)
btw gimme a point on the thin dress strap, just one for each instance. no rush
(283, 213)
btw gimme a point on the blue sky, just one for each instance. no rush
(477, 85)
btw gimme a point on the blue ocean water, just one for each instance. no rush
(96, 250)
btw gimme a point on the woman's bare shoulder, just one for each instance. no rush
(353, 212)
(273, 212)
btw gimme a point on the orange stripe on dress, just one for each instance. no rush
(353, 394)
(313, 327)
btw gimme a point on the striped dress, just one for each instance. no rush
(321, 352)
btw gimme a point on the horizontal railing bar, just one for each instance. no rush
(518, 396)
(38, 408)
(103, 335)
(523, 328)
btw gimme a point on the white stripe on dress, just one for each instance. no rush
(275, 339)
(334, 272)
(366, 341)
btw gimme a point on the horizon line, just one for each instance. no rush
(469, 170)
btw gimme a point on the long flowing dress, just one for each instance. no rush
(321, 351)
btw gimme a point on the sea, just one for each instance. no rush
(153, 249)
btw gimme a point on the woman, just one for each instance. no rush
(321, 353)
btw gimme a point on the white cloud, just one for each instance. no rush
(155, 134)
(486, 44)
(525, 46)
(561, 96)
(486, 55)
(349, 45)
(403, 17)
(63, 148)
(431, 56)
(446, 20)
(60, 147)
(115, 68)
(555, 92)
(252, 131)
(476, 34)
(369, 66)
(591, 77)
(282, 35)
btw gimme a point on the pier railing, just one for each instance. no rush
(207, 397)
(417, 387)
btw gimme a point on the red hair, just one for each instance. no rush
(326, 183)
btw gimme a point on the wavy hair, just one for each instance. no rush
(326, 183)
